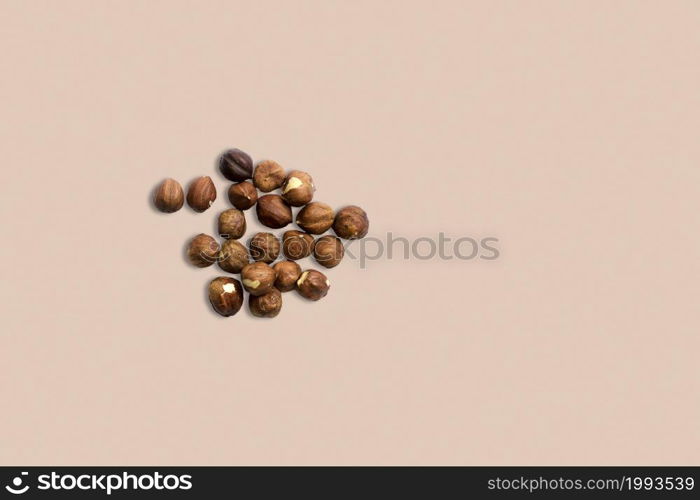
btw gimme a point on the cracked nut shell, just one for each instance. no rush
(329, 251)
(243, 195)
(297, 245)
(258, 278)
(202, 250)
(298, 188)
(236, 165)
(315, 218)
(264, 247)
(351, 223)
(268, 176)
(267, 305)
(232, 224)
(313, 285)
(233, 256)
(201, 194)
(273, 211)
(169, 196)
(226, 295)
(288, 273)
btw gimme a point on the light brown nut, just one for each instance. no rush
(202, 250)
(169, 196)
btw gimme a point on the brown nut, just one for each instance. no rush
(313, 285)
(329, 251)
(264, 247)
(298, 188)
(226, 295)
(243, 195)
(273, 211)
(233, 256)
(268, 176)
(202, 250)
(351, 223)
(315, 218)
(297, 245)
(288, 273)
(236, 165)
(201, 194)
(258, 278)
(267, 305)
(232, 224)
(169, 196)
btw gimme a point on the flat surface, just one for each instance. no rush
(567, 130)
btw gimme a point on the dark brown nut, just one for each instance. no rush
(268, 176)
(315, 218)
(267, 305)
(236, 165)
(232, 224)
(202, 250)
(298, 188)
(264, 247)
(233, 256)
(313, 285)
(288, 273)
(351, 223)
(273, 211)
(258, 278)
(297, 245)
(169, 196)
(226, 295)
(243, 195)
(201, 194)
(329, 251)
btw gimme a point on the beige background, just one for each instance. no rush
(569, 130)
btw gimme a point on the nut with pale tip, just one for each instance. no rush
(242, 195)
(313, 285)
(201, 194)
(298, 188)
(258, 278)
(225, 295)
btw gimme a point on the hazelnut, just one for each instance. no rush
(315, 218)
(298, 188)
(236, 165)
(273, 211)
(268, 176)
(267, 305)
(226, 295)
(297, 245)
(201, 194)
(351, 223)
(232, 224)
(313, 285)
(169, 196)
(288, 273)
(258, 278)
(243, 195)
(264, 247)
(202, 250)
(329, 251)
(233, 256)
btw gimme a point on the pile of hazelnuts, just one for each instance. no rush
(263, 280)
